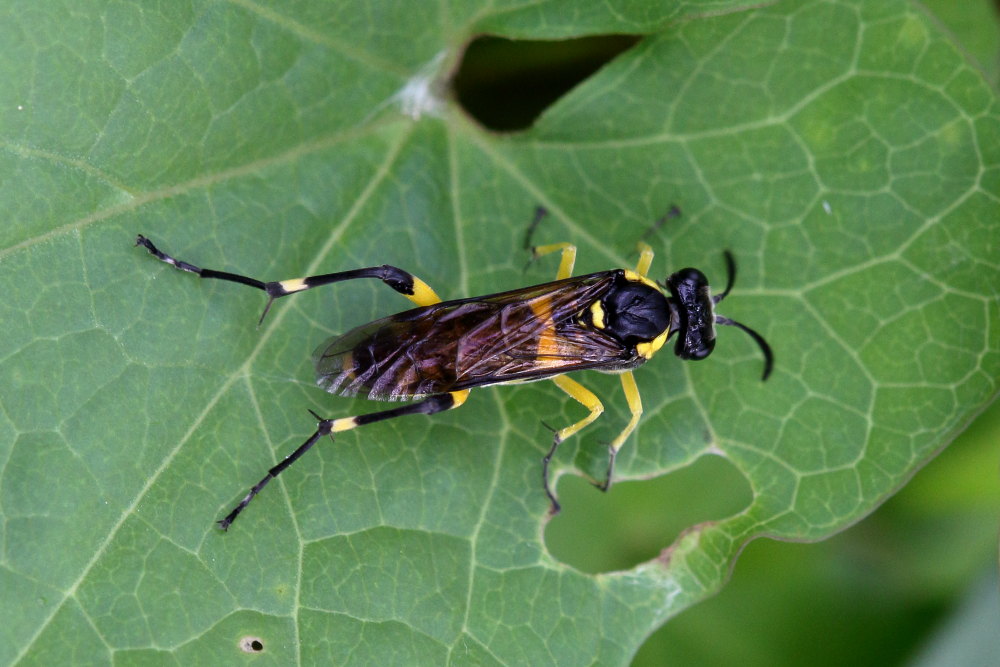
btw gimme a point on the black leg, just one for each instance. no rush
(403, 282)
(612, 453)
(555, 507)
(673, 212)
(428, 406)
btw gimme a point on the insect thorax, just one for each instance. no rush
(632, 311)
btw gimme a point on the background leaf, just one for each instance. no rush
(845, 151)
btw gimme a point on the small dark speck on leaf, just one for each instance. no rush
(251, 645)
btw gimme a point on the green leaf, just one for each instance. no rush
(844, 151)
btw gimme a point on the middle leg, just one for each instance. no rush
(586, 398)
(635, 407)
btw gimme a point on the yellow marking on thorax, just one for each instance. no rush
(597, 314)
(636, 278)
(647, 350)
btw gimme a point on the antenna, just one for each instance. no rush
(764, 347)
(730, 279)
(719, 319)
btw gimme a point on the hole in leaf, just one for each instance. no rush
(251, 645)
(635, 521)
(506, 84)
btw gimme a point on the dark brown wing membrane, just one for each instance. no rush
(472, 342)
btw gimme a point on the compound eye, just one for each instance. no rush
(687, 280)
(694, 346)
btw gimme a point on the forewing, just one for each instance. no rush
(470, 342)
(537, 338)
(399, 357)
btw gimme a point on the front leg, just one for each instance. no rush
(568, 259)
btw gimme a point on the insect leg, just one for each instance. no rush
(568, 249)
(645, 259)
(673, 212)
(428, 406)
(584, 396)
(413, 288)
(645, 252)
(567, 261)
(635, 407)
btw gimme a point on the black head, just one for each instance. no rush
(694, 310)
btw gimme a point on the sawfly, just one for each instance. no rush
(434, 354)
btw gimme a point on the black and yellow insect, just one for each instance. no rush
(610, 321)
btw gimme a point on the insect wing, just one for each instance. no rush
(398, 357)
(523, 334)
(537, 338)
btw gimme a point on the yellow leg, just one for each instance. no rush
(568, 249)
(585, 397)
(635, 407)
(423, 295)
(565, 263)
(645, 259)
